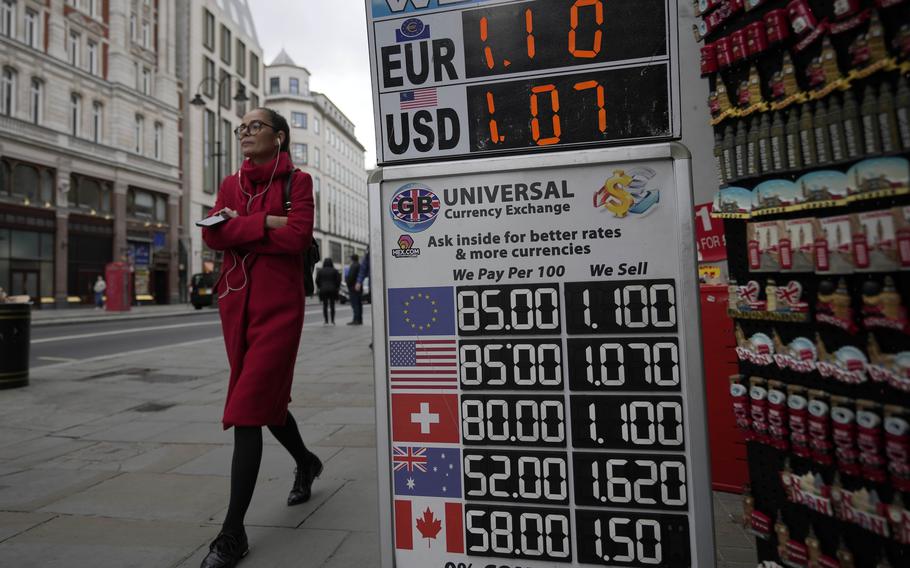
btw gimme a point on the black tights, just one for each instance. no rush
(245, 465)
(326, 304)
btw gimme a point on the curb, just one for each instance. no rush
(125, 317)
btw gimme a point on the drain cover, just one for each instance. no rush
(154, 406)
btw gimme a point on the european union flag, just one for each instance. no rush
(422, 311)
(427, 472)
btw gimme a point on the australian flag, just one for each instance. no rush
(422, 311)
(427, 472)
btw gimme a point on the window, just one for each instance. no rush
(316, 157)
(87, 193)
(298, 119)
(208, 137)
(31, 28)
(226, 137)
(97, 118)
(294, 86)
(274, 85)
(36, 101)
(208, 70)
(241, 59)
(254, 100)
(132, 27)
(225, 44)
(8, 91)
(139, 133)
(94, 8)
(75, 39)
(254, 69)
(224, 87)
(317, 187)
(146, 35)
(208, 30)
(8, 18)
(158, 133)
(75, 113)
(93, 58)
(316, 125)
(298, 154)
(146, 81)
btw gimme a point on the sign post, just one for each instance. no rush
(539, 387)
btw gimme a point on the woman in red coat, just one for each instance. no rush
(261, 300)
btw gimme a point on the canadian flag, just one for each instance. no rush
(434, 524)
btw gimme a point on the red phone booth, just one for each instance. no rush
(119, 287)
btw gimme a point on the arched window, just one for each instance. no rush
(36, 101)
(8, 91)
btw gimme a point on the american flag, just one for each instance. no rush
(424, 98)
(409, 458)
(423, 364)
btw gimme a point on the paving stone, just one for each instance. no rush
(345, 415)
(194, 433)
(136, 431)
(281, 548)
(357, 435)
(352, 463)
(13, 523)
(31, 489)
(149, 496)
(67, 542)
(360, 549)
(353, 508)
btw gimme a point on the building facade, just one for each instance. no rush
(89, 160)
(323, 144)
(219, 57)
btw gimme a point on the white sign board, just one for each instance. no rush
(539, 385)
(474, 78)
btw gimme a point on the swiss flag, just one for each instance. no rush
(422, 524)
(425, 418)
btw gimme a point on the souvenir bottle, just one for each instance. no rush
(836, 130)
(764, 144)
(729, 154)
(752, 149)
(739, 149)
(902, 110)
(794, 156)
(778, 143)
(868, 111)
(853, 133)
(887, 120)
(822, 144)
(807, 137)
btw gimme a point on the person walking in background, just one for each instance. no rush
(355, 294)
(363, 275)
(99, 288)
(328, 282)
(261, 301)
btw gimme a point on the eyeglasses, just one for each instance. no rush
(252, 128)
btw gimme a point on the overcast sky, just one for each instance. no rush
(329, 38)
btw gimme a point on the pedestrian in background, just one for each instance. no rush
(99, 288)
(261, 302)
(355, 294)
(328, 282)
(363, 275)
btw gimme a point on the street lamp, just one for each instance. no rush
(198, 101)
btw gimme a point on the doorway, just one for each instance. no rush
(26, 282)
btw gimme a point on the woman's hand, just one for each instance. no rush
(228, 213)
(275, 222)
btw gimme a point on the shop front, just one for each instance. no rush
(90, 247)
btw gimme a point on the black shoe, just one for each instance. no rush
(303, 481)
(226, 550)
(352, 323)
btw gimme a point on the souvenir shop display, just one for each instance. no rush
(810, 105)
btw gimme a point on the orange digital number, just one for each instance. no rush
(494, 127)
(598, 35)
(529, 27)
(601, 111)
(487, 51)
(535, 122)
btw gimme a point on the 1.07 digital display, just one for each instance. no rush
(615, 364)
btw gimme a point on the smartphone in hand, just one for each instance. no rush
(212, 221)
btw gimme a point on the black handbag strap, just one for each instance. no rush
(287, 191)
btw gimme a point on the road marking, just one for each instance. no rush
(61, 359)
(130, 353)
(123, 331)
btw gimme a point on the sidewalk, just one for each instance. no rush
(123, 462)
(50, 316)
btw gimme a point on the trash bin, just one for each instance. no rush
(15, 329)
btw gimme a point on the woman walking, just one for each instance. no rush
(261, 302)
(328, 282)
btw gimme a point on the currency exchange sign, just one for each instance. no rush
(472, 78)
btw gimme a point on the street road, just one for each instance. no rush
(55, 344)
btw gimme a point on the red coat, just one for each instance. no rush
(261, 295)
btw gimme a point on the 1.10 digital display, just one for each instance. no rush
(621, 306)
(627, 422)
(550, 34)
